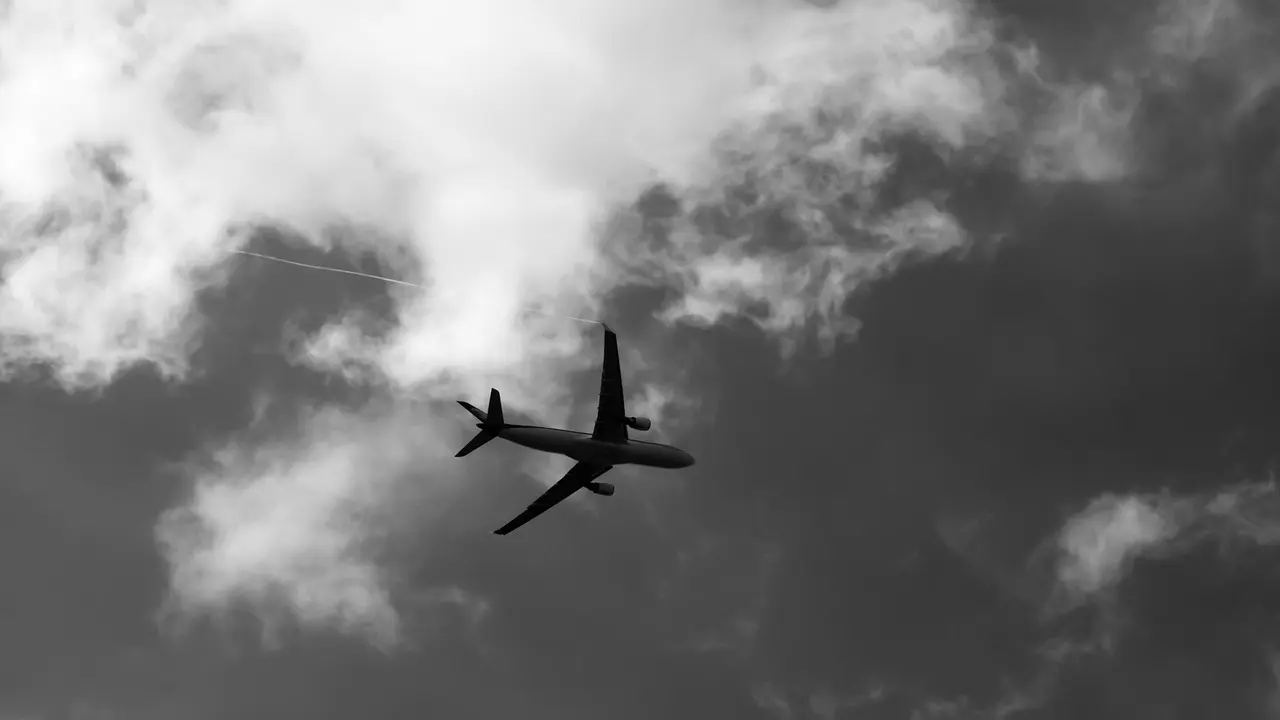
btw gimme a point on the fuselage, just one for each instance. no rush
(582, 447)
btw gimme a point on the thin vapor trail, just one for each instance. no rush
(371, 276)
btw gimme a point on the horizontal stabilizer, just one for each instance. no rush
(481, 438)
(480, 414)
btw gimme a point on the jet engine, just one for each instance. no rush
(601, 488)
(639, 423)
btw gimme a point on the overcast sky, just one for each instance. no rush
(969, 311)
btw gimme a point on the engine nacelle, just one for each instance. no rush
(639, 423)
(601, 488)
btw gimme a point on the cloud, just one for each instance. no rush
(469, 146)
(770, 698)
(297, 528)
(1084, 136)
(1188, 31)
(1204, 579)
(1099, 543)
(838, 165)
(481, 148)
(477, 146)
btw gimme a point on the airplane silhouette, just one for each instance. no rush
(596, 453)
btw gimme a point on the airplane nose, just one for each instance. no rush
(688, 460)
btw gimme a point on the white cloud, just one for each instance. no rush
(488, 138)
(811, 141)
(1097, 547)
(295, 528)
(485, 136)
(479, 145)
(841, 93)
(1098, 543)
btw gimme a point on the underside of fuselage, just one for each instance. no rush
(584, 448)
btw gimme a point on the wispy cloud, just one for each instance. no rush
(803, 200)
(1099, 543)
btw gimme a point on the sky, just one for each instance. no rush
(967, 310)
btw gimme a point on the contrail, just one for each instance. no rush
(565, 317)
(330, 269)
(371, 276)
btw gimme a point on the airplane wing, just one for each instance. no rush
(611, 414)
(578, 476)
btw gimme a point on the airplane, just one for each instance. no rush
(596, 452)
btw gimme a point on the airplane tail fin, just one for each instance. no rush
(490, 422)
(495, 408)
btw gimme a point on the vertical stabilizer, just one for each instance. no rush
(495, 409)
